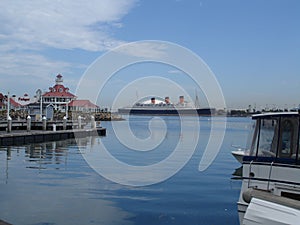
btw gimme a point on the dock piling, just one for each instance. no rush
(64, 123)
(93, 123)
(28, 123)
(9, 124)
(79, 122)
(44, 123)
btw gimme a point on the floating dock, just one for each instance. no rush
(38, 125)
(23, 137)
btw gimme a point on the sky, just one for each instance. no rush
(252, 47)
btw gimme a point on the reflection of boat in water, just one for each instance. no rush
(238, 173)
(159, 107)
(270, 192)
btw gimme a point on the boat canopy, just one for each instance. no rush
(276, 138)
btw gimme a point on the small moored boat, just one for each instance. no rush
(270, 192)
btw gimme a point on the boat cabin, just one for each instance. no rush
(275, 138)
(270, 191)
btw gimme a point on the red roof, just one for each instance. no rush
(82, 103)
(14, 103)
(1, 96)
(59, 90)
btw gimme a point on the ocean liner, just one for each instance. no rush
(165, 107)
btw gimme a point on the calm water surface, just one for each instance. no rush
(51, 183)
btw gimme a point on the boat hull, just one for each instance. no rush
(268, 213)
(239, 155)
(175, 112)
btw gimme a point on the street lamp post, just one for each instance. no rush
(40, 97)
(8, 105)
(41, 108)
(67, 110)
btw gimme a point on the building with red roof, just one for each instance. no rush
(2, 104)
(58, 95)
(83, 106)
(15, 105)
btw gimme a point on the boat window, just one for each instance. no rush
(289, 135)
(267, 142)
(286, 139)
(252, 144)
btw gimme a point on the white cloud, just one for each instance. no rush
(26, 72)
(30, 30)
(64, 24)
(11, 63)
(149, 50)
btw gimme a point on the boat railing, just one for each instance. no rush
(250, 173)
(270, 173)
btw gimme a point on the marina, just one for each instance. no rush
(138, 112)
(54, 127)
(50, 182)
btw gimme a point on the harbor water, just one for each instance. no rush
(52, 183)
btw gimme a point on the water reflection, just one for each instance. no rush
(50, 183)
(238, 173)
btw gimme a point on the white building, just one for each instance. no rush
(58, 95)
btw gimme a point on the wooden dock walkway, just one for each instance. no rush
(38, 125)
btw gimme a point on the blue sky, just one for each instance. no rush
(253, 47)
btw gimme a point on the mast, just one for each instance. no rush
(8, 105)
(197, 102)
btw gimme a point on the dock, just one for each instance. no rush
(15, 132)
(38, 136)
(38, 125)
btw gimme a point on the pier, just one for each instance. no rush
(39, 125)
(26, 132)
(23, 137)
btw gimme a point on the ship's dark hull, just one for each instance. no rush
(166, 112)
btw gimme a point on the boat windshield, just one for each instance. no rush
(251, 133)
(276, 137)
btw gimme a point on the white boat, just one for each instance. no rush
(270, 192)
(239, 154)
